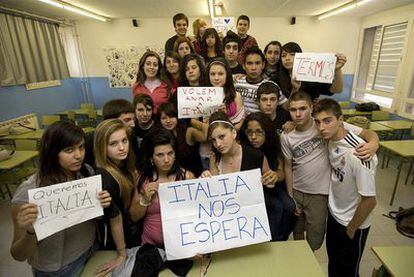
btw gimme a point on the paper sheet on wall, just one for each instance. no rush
(66, 204)
(212, 214)
(314, 67)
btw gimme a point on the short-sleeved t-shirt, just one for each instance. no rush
(248, 92)
(310, 163)
(238, 70)
(351, 179)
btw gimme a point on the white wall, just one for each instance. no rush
(337, 34)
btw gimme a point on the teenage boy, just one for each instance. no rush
(351, 194)
(307, 168)
(116, 108)
(254, 62)
(231, 46)
(268, 94)
(180, 22)
(247, 41)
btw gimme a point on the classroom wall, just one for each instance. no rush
(17, 101)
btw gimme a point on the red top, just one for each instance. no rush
(159, 95)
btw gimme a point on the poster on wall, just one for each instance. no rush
(224, 24)
(122, 63)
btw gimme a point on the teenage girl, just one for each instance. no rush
(219, 75)
(183, 47)
(272, 53)
(172, 67)
(151, 80)
(61, 155)
(211, 45)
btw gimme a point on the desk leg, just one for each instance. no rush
(396, 181)
(409, 171)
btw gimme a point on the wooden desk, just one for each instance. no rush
(398, 260)
(404, 149)
(287, 258)
(9, 169)
(77, 112)
(354, 112)
(397, 124)
(17, 159)
(32, 135)
(376, 127)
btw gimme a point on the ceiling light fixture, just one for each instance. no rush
(211, 9)
(73, 8)
(343, 8)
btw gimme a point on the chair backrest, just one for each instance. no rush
(49, 119)
(87, 106)
(344, 104)
(72, 115)
(380, 115)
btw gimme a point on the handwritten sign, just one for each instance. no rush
(223, 24)
(66, 204)
(211, 214)
(195, 102)
(314, 67)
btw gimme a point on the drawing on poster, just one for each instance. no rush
(123, 62)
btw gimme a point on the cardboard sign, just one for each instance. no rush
(314, 67)
(223, 24)
(196, 102)
(211, 214)
(66, 204)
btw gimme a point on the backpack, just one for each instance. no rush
(367, 107)
(404, 221)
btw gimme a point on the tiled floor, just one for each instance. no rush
(382, 231)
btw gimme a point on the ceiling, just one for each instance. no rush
(117, 9)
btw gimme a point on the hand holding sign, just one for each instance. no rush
(211, 214)
(26, 216)
(314, 67)
(66, 204)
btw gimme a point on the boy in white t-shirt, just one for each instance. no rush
(351, 194)
(307, 168)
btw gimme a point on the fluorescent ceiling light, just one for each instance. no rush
(211, 9)
(343, 8)
(74, 9)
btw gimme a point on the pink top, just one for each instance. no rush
(152, 230)
(234, 115)
(158, 95)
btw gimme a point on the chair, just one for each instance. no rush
(87, 106)
(380, 115)
(91, 120)
(344, 104)
(72, 116)
(49, 119)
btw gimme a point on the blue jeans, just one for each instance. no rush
(73, 269)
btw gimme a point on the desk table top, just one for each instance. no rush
(404, 148)
(350, 112)
(35, 135)
(17, 159)
(396, 124)
(398, 260)
(376, 127)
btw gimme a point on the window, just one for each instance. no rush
(381, 55)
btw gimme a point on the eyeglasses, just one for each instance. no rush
(250, 133)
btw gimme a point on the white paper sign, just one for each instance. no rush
(223, 24)
(211, 214)
(196, 102)
(314, 67)
(66, 204)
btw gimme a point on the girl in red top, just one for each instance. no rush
(150, 81)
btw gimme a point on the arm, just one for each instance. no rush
(240, 109)
(24, 243)
(117, 231)
(289, 177)
(338, 83)
(365, 207)
(196, 133)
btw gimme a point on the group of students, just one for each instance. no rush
(317, 175)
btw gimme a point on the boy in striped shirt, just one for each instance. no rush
(351, 194)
